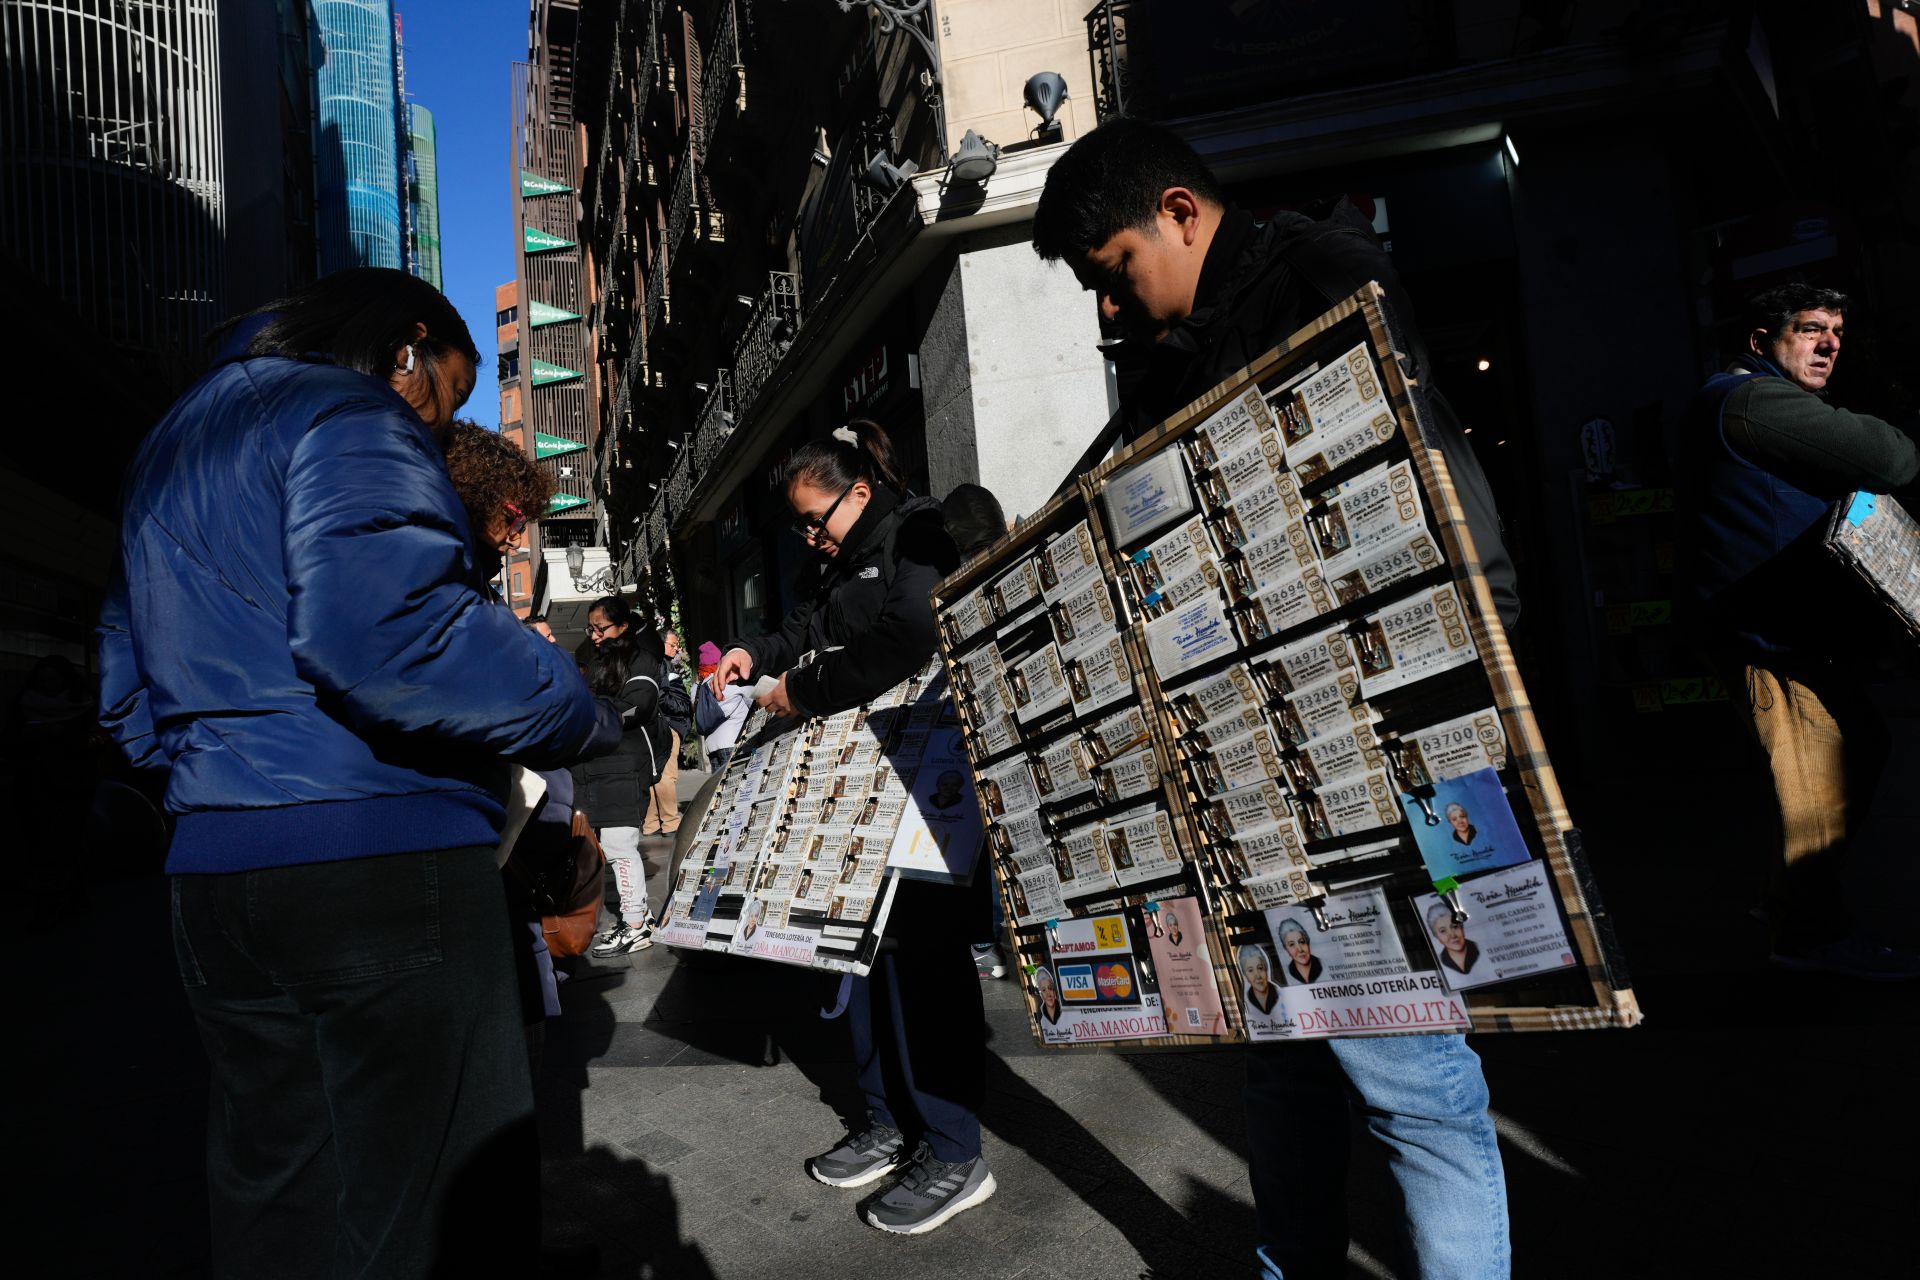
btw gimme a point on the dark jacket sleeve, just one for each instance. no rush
(899, 642)
(1814, 446)
(381, 618)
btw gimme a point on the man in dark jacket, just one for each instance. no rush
(1200, 290)
(1764, 459)
(294, 635)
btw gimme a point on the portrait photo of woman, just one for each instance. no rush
(1457, 951)
(1463, 829)
(1302, 967)
(1046, 996)
(1257, 973)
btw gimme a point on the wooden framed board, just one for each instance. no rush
(1246, 679)
(813, 824)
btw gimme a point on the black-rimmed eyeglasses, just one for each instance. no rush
(814, 526)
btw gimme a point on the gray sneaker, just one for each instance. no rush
(933, 1191)
(860, 1159)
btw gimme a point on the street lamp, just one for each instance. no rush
(599, 580)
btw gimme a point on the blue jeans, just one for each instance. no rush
(1425, 1098)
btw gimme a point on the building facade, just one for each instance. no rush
(774, 245)
(552, 354)
(519, 575)
(359, 141)
(423, 195)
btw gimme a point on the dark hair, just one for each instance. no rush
(488, 471)
(357, 319)
(1775, 308)
(615, 657)
(974, 518)
(1111, 180)
(834, 466)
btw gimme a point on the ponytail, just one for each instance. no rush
(837, 463)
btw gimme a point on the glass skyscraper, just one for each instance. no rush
(423, 196)
(358, 147)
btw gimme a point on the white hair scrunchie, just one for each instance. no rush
(847, 434)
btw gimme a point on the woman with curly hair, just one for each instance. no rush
(500, 486)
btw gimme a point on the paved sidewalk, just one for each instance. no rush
(1758, 1125)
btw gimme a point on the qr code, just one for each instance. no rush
(1193, 1017)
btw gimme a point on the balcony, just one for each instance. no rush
(723, 87)
(1107, 52)
(658, 310)
(770, 331)
(692, 216)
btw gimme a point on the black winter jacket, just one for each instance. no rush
(882, 621)
(612, 790)
(1260, 283)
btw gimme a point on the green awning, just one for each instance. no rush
(532, 184)
(564, 502)
(544, 242)
(546, 446)
(543, 373)
(539, 313)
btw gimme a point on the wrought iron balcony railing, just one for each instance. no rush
(657, 306)
(1107, 52)
(723, 86)
(680, 207)
(770, 331)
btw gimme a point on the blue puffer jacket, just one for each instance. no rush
(293, 633)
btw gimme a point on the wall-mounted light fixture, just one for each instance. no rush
(975, 161)
(1044, 93)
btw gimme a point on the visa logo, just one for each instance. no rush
(1076, 982)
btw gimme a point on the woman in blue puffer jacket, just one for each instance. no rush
(295, 638)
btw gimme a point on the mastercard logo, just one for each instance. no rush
(1114, 980)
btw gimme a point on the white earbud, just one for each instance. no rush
(408, 367)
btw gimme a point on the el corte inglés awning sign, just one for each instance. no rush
(532, 184)
(545, 241)
(564, 502)
(543, 373)
(539, 313)
(546, 446)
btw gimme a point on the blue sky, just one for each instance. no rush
(458, 67)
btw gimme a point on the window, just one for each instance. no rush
(501, 319)
(510, 366)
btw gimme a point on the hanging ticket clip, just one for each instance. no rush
(1403, 777)
(1053, 933)
(1150, 912)
(1449, 891)
(1319, 909)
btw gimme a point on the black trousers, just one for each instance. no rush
(372, 1111)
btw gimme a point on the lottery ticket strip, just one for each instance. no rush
(812, 824)
(1879, 540)
(1253, 754)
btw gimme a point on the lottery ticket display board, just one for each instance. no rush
(814, 823)
(1878, 539)
(1253, 756)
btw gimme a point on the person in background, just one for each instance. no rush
(917, 1021)
(1763, 462)
(294, 635)
(1199, 290)
(676, 712)
(975, 522)
(735, 704)
(627, 665)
